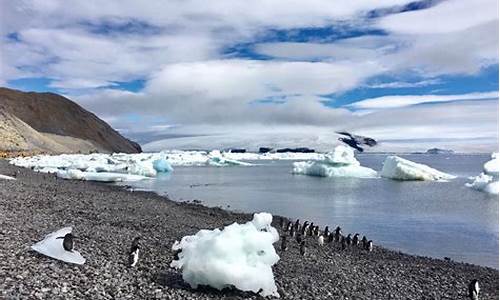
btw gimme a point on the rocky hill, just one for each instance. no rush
(50, 123)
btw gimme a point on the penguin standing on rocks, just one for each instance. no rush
(310, 229)
(321, 240)
(330, 237)
(369, 246)
(338, 234)
(133, 254)
(303, 248)
(474, 290)
(326, 232)
(348, 240)
(292, 232)
(298, 238)
(67, 241)
(282, 223)
(364, 241)
(289, 227)
(284, 247)
(344, 243)
(316, 231)
(297, 225)
(355, 240)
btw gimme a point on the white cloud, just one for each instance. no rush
(407, 100)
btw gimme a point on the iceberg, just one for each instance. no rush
(339, 163)
(487, 181)
(162, 166)
(239, 255)
(216, 159)
(399, 168)
(53, 247)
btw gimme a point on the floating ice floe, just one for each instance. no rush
(488, 180)
(6, 177)
(217, 159)
(51, 246)
(399, 168)
(339, 163)
(239, 255)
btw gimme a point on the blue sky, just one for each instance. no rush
(235, 68)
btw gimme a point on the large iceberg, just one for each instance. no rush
(53, 247)
(240, 255)
(399, 168)
(488, 180)
(339, 163)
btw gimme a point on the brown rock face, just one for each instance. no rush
(59, 117)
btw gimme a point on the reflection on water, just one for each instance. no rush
(427, 218)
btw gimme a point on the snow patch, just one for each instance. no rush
(53, 247)
(239, 255)
(6, 177)
(399, 168)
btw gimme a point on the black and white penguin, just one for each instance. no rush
(304, 228)
(338, 234)
(369, 246)
(316, 231)
(282, 223)
(67, 241)
(348, 240)
(344, 243)
(364, 241)
(292, 232)
(298, 237)
(303, 248)
(321, 240)
(133, 254)
(355, 239)
(289, 227)
(330, 238)
(310, 229)
(297, 225)
(326, 232)
(474, 289)
(284, 246)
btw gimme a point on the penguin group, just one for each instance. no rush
(306, 231)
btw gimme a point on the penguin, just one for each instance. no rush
(133, 254)
(364, 241)
(284, 247)
(316, 231)
(289, 227)
(67, 241)
(348, 240)
(282, 223)
(369, 246)
(338, 234)
(297, 225)
(321, 240)
(304, 228)
(310, 229)
(330, 237)
(298, 238)
(303, 248)
(474, 289)
(326, 232)
(292, 232)
(355, 240)
(344, 243)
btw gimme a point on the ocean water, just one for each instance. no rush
(437, 219)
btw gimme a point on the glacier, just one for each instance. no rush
(487, 181)
(339, 163)
(239, 255)
(398, 168)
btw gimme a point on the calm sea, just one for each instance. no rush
(435, 219)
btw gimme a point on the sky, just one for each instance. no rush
(233, 73)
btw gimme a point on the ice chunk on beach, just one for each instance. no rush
(488, 180)
(339, 163)
(399, 168)
(53, 247)
(239, 255)
(6, 177)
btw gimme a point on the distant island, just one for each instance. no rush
(50, 123)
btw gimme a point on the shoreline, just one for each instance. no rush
(107, 218)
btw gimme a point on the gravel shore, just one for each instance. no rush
(107, 218)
